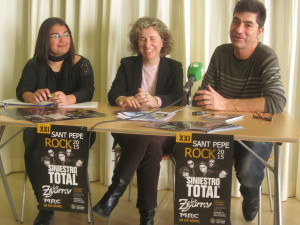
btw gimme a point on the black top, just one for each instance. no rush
(77, 80)
(129, 78)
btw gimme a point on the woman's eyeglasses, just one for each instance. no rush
(56, 36)
(263, 116)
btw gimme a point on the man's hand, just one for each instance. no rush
(211, 100)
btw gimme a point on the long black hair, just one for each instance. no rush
(42, 43)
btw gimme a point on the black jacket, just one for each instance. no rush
(129, 78)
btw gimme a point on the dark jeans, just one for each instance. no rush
(143, 154)
(249, 170)
(32, 161)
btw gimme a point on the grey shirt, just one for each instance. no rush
(257, 76)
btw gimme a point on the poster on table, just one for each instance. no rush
(63, 154)
(203, 178)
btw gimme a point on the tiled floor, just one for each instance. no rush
(126, 213)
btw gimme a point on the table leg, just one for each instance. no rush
(277, 177)
(2, 171)
(4, 180)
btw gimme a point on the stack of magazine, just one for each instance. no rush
(211, 123)
(145, 116)
(206, 126)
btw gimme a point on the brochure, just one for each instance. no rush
(225, 117)
(46, 103)
(145, 116)
(207, 127)
(143, 109)
(18, 102)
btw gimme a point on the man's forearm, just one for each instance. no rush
(246, 105)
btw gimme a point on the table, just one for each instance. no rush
(282, 129)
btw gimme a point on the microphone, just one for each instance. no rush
(194, 73)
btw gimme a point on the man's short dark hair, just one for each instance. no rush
(253, 6)
(184, 169)
(45, 158)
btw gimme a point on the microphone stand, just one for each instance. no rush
(189, 98)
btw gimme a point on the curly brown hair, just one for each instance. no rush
(159, 26)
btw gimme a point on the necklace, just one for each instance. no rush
(58, 58)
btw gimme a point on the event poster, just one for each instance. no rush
(63, 153)
(203, 178)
